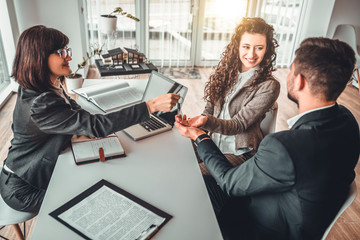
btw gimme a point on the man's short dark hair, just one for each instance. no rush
(327, 64)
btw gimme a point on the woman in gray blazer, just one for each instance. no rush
(45, 118)
(240, 91)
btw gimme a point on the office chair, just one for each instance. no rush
(9, 216)
(349, 34)
(268, 124)
(346, 204)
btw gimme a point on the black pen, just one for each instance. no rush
(147, 232)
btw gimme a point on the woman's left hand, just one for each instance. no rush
(197, 121)
(186, 131)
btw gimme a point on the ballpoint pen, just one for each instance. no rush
(178, 105)
(144, 235)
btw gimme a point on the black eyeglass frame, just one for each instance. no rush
(66, 51)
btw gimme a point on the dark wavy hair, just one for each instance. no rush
(30, 68)
(226, 72)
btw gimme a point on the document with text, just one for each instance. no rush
(106, 212)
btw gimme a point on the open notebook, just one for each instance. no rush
(86, 150)
(159, 122)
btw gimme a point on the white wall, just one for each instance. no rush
(316, 19)
(64, 15)
(344, 12)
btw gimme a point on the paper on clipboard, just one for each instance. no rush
(106, 212)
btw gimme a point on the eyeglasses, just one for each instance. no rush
(64, 53)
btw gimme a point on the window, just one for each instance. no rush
(284, 15)
(4, 75)
(217, 23)
(170, 32)
(125, 34)
(191, 32)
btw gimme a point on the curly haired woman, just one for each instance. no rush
(240, 92)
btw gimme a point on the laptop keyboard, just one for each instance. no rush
(152, 124)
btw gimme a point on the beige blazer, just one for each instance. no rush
(247, 109)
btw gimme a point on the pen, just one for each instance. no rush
(144, 235)
(178, 105)
(101, 155)
(178, 108)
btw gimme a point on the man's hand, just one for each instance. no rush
(186, 131)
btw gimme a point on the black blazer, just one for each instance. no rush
(43, 124)
(298, 179)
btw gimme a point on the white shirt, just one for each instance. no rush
(8, 169)
(293, 120)
(226, 143)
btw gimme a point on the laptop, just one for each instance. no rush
(159, 122)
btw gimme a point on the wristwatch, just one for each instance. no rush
(200, 138)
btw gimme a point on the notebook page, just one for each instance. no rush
(96, 89)
(118, 98)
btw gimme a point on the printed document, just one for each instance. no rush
(108, 215)
(106, 212)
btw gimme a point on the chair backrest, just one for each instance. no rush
(9, 216)
(268, 124)
(346, 33)
(346, 204)
(351, 35)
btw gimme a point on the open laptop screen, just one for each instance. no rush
(159, 84)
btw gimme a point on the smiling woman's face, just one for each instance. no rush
(252, 50)
(58, 66)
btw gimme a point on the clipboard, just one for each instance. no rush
(75, 206)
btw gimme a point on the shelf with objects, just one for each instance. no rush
(123, 61)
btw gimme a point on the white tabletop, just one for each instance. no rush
(161, 170)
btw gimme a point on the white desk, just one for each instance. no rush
(161, 170)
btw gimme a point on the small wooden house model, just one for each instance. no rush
(117, 56)
(120, 56)
(107, 59)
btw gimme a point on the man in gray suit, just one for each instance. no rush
(295, 184)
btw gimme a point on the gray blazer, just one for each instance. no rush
(43, 124)
(298, 179)
(247, 109)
